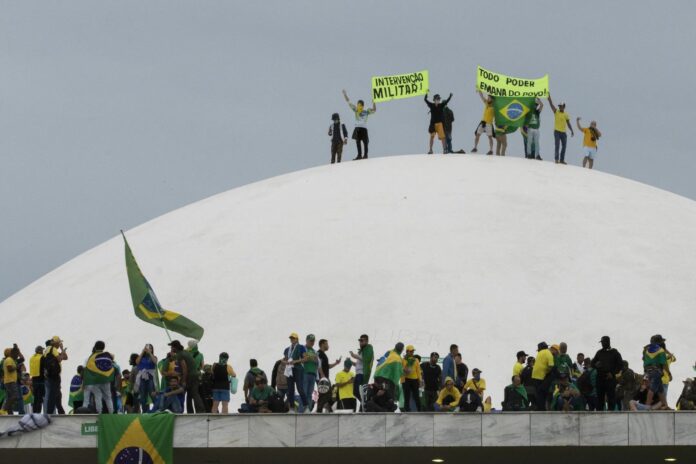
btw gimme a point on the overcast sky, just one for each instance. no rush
(115, 112)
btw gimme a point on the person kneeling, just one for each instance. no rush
(566, 396)
(449, 396)
(259, 397)
(379, 399)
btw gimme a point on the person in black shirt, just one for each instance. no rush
(608, 363)
(324, 365)
(431, 379)
(437, 119)
(528, 382)
(462, 371)
(337, 142)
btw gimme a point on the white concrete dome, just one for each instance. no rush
(494, 254)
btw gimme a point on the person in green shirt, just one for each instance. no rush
(259, 396)
(190, 376)
(310, 363)
(532, 131)
(566, 396)
(564, 363)
(363, 364)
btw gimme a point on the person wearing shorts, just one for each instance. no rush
(222, 376)
(360, 132)
(501, 140)
(437, 118)
(589, 142)
(486, 124)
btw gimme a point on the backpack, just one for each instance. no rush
(585, 382)
(276, 403)
(51, 366)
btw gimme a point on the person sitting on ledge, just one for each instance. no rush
(170, 400)
(379, 399)
(516, 398)
(566, 396)
(449, 396)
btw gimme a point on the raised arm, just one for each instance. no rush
(374, 106)
(577, 121)
(553, 107)
(448, 99)
(345, 95)
(480, 94)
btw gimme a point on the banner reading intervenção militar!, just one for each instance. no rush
(385, 88)
(500, 85)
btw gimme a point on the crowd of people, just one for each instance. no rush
(301, 381)
(442, 117)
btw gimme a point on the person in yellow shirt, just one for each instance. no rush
(486, 124)
(9, 368)
(449, 397)
(561, 120)
(37, 379)
(344, 382)
(519, 364)
(589, 142)
(541, 375)
(476, 383)
(412, 379)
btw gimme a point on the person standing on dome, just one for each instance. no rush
(532, 124)
(336, 129)
(560, 138)
(589, 142)
(486, 124)
(437, 118)
(360, 131)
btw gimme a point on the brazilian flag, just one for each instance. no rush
(511, 112)
(131, 438)
(148, 308)
(392, 369)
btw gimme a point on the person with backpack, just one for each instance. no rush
(516, 398)
(437, 117)
(608, 363)
(294, 371)
(476, 383)
(222, 379)
(360, 132)
(589, 142)
(336, 129)
(54, 355)
(587, 384)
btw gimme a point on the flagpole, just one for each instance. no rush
(164, 324)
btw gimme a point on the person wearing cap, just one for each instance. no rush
(363, 364)
(654, 364)
(542, 375)
(344, 385)
(519, 364)
(476, 383)
(412, 379)
(516, 398)
(294, 355)
(310, 361)
(190, 378)
(337, 142)
(608, 363)
(37, 379)
(437, 118)
(566, 396)
(54, 355)
(486, 124)
(431, 373)
(222, 379)
(561, 121)
(448, 398)
(360, 132)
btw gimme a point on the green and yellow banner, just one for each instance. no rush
(125, 438)
(385, 88)
(500, 85)
(147, 306)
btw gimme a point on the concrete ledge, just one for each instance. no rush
(416, 430)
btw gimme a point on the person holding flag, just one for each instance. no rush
(98, 375)
(486, 124)
(360, 131)
(391, 370)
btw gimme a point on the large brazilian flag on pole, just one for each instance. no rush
(511, 112)
(148, 308)
(132, 438)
